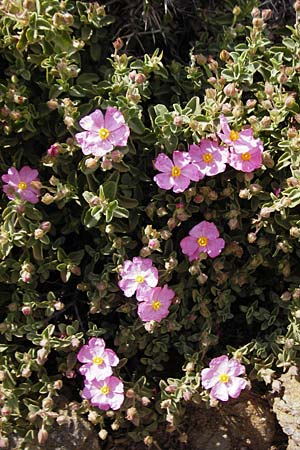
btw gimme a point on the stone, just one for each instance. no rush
(287, 407)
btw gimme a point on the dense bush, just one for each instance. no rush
(63, 255)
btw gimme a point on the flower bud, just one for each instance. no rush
(140, 78)
(26, 310)
(47, 403)
(224, 55)
(145, 401)
(201, 59)
(103, 434)
(131, 413)
(230, 90)
(266, 14)
(178, 121)
(250, 103)
(42, 436)
(42, 356)
(255, 12)
(115, 426)
(118, 44)
(52, 104)
(148, 440)
(236, 11)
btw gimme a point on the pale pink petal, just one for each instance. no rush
(28, 196)
(181, 159)
(215, 246)
(192, 172)
(119, 137)
(27, 174)
(221, 362)
(128, 287)
(224, 124)
(163, 181)
(113, 119)
(163, 163)
(235, 385)
(180, 184)
(112, 357)
(93, 122)
(189, 245)
(235, 368)
(209, 378)
(220, 392)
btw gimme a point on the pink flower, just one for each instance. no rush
(103, 133)
(245, 150)
(97, 359)
(222, 378)
(209, 157)
(177, 175)
(137, 275)
(236, 138)
(246, 159)
(106, 394)
(24, 183)
(155, 303)
(203, 237)
(53, 150)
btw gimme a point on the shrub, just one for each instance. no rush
(63, 256)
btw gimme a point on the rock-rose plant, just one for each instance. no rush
(150, 232)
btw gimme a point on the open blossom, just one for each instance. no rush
(222, 377)
(103, 133)
(154, 303)
(24, 183)
(209, 157)
(245, 150)
(203, 237)
(137, 275)
(97, 360)
(246, 159)
(175, 175)
(106, 394)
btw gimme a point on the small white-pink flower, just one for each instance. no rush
(154, 303)
(103, 133)
(137, 276)
(105, 394)
(209, 157)
(222, 377)
(97, 359)
(176, 174)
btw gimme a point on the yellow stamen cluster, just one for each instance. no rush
(176, 171)
(246, 156)
(104, 133)
(22, 185)
(202, 241)
(224, 378)
(156, 305)
(139, 279)
(98, 360)
(233, 135)
(105, 389)
(207, 157)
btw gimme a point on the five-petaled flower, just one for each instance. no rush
(245, 150)
(154, 303)
(97, 360)
(106, 394)
(137, 275)
(209, 157)
(175, 175)
(203, 237)
(222, 377)
(103, 133)
(23, 184)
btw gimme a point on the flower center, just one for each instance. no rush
(104, 133)
(139, 279)
(246, 156)
(224, 378)
(105, 389)
(98, 360)
(156, 305)
(207, 157)
(176, 171)
(22, 185)
(233, 135)
(202, 241)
